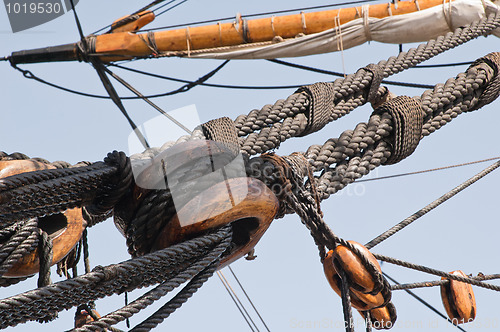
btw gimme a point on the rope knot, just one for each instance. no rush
(407, 121)
(116, 185)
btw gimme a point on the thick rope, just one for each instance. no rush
(104, 281)
(164, 288)
(346, 94)
(177, 301)
(46, 192)
(22, 242)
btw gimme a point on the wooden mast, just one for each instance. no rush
(125, 45)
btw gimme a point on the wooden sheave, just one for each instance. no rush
(126, 44)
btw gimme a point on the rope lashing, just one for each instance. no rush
(286, 118)
(222, 130)
(407, 120)
(490, 64)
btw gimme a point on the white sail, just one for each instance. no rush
(419, 26)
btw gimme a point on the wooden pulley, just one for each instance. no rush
(64, 229)
(361, 280)
(382, 318)
(131, 23)
(246, 203)
(459, 300)
(176, 163)
(360, 301)
(82, 316)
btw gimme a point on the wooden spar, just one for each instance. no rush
(128, 44)
(246, 31)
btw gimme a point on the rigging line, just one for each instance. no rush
(170, 8)
(248, 298)
(131, 88)
(152, 4)
(107, 84)
(421, 300)
(444, 65)
(328, 72)
(238, 299)
(429, 270)
(164, 5)
(396, 228)
(236, 303)
(424, 284)
(213, 85)
(100, 69)
(78, 25)
(428, 170)
(260, 14)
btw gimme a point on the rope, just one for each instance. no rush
(104, 281)
(166, 310)
(24, 239)
(46, 192)
(164, 288)
(396, 228)
(425, 284)
(428, 305)
(436, 272)
(348, 93)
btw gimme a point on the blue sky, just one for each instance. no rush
(286, 281)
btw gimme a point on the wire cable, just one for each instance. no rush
(248, 298)
(170, 8)
(428, 170)
(427, 304)
(328, 72)
(238, 299)
(135, 91)
(260, 14)
(234, 300)
(431, 206)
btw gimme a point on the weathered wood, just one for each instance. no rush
(245, 202)
(361, 279)
(65, 229)
(459, 300)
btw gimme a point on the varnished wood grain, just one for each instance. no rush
(214, 207)
(145, 17)
(459, 300)
(363, 302)
(127, 45)
(382, 318)
(360, 278)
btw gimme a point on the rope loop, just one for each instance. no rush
(115, 186)
(407, 121)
